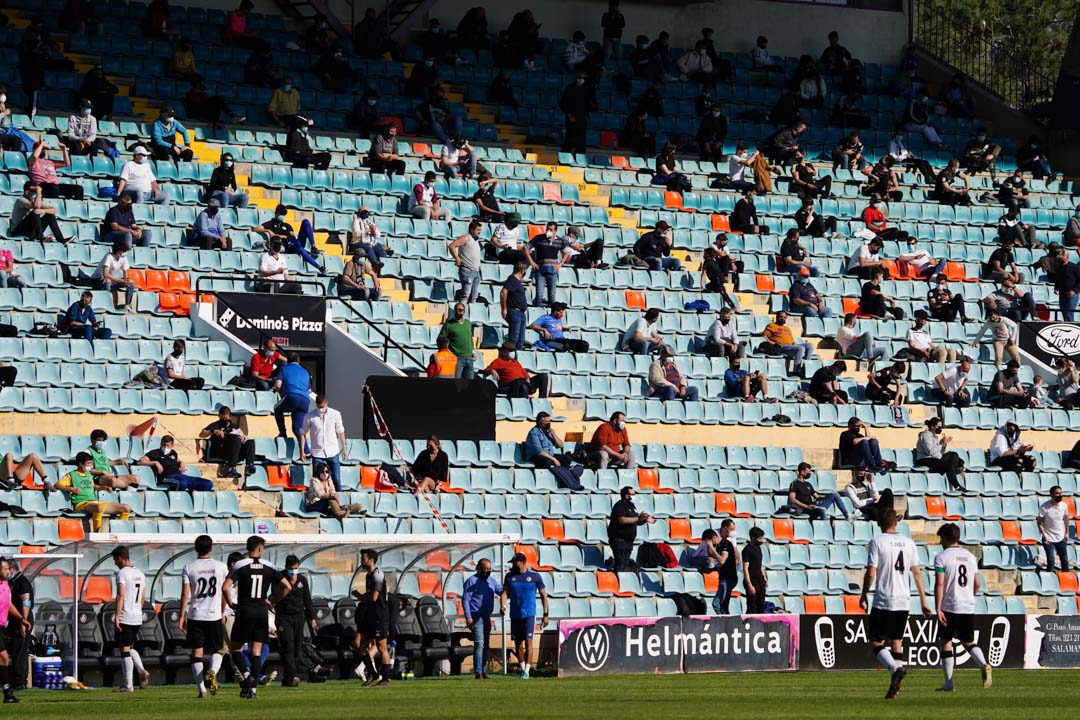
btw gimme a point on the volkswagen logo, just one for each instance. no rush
(592, 647)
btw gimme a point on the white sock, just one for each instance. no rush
(215, 663)
(977, 656)
(137, 660)
(197, 673)
(525, 667)
(948, 663)
(128, 664)
(884, 656)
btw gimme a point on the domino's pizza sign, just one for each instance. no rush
(841, 642)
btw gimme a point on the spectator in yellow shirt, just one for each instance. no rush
(284, 104)
(779, 334)
(79, 485)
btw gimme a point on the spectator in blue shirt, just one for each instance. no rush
(744, 385)
(550, 327)
(120, 226)
(478, 601)
(163, 138)
(294, 388)
(83, 323)
(804, 298)
(520, 586)
(541, 445)
(209, 228)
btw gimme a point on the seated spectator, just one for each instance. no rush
(576, 55)
(507, 246)
(1031, 158)
(80, 136)
(729, 263)
(1014, 191)
(182, 63)
(666, 381)
(1052, 260)
(209, 228)
(875, 221)
(1012, 228)
(1008, 453)
(264, 365)
(320, 496)
(661, 52)
(8, 279)
(422, 79)
(163, 138)
(301, 243)
(980, 155)
(583, 256)
(865, 262)
(42, 171)
(881, 181)
(745, 385)
(227, 445)
(811, 89)
(782, 146)
(779, 340)
(666, 171)
(802, 498)
(744, 217)
(810, 222)
(696, 65)
(137, 180)
(610, 446)
(945, 192)
(383, 156)
(860, 449)
(825, 384)
(119, 225)
(900, 153)
(175, 369)
(920, 261)
(284, 105)
(274, 272)
(235, 31)
(352, 284)
(366, 117)
(99, 91)
(501, 90)
(932, 451)
(950, 386)
(436, 117)
(431, 469)
(111, 275)
(945, 305)
(803, 297)
(722, 339)
(458, 159)
(706, 558)
(511, 378)
(103, 470)
(1006, 390)
(487, 204)
(1068, 383)
(760, 58)
(848, 153)
(81, 322)
(13, 475)
(866, 499)
(835, 57)
(171, 471)
(875, 302)
(33, 219)
(654, 247)
(920, 347)
(636, 134)
(957, 100)
(917, 119)
(1002, 265)
(806, 184)
(80, 487)
(848, 112)
(260, 69)
(424, 201)
(737, 165)
(334, 71)
(223, 186)
(642, 338)
(857, 345)
(1009, 300)
(711, 134)
(886, 386)
(552, 332)
(298, 150)
(786, 109)
(541, 445)
(793, 256)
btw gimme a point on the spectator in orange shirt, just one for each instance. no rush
(443, 363)
(512, 379)
(610, 445)
(264, 365)
(779, 335)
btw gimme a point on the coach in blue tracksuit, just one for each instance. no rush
(478, 601)
(294, 387)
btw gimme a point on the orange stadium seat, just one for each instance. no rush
(553, 529)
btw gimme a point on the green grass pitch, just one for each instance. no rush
(1016, 695)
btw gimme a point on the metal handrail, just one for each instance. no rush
(388, 340)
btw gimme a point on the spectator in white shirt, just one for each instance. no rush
(641, 338)
(924, 264)
(865, 260)
(723, 338)
(856, 344)
(950, 386)
(737, 165)
(424, 201)
(175, 365)
(274, 271)
(367, 238)
(576, 51)
(112, 275)
(866, 498)
(325, 431)
(759, 56)
(138, 181)
(921, 348)
(507, 242)
(458, 159)
(1053, 522)
(81, 134)
(1008, 453)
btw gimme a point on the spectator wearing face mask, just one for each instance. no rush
(552, 332)
(437, 118)
(866, 498)
(1006, 390)
(175, 374)
(636, 134)
(171, 471)
(1003, 334)
(576, 55)
(163, 138)
(654, 247)
(919, 260)
(781, 341)
(506, 244)
(424, 77)
(324, 429)
(366, 118)
(424, 201)
(1031, 158)
(576, 103)
(458, 159)
(209, 229)
(945, 305)
(138, 182)
(31, 218)
(858, 345)
(932, 453)
(352, 283)
(366, 237)
(546, 258)
(182, 63)
(610, 445)
(666, 381)
(696, 65)
(431, 469)
(279, 232)
(722, 340)
(513, 305)
(1008, 453)
(458, 330)
(292, 612)
(223, 186)
(711, 134)
(917, 119)
(81, 134)
(1053, 523)
(334, 71)
(42, 170)
(284, 104)
(980, 155)
(886, 387)
(804, 298)
(745, 385)
(264, 365)
(478, 602)
(809, 221)
(298, 148)
(642, 338)
(511, 378)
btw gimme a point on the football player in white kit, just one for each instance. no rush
(130, 592)
(956, 573)
(892, 556)
(201, 603)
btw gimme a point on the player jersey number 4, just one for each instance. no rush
(134, 584)
(960, 569)
(894, 556)
(205, 579)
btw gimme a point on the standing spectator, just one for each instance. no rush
(514, 305)
(1067, 285)
(1068, 383)
(158, 20)
(825, 384)
(383, 156)
(613, 24)
(654, 247)
(81, 322)
(917, 119)
(546, 259)
(22, 640)
(804, 299)
(858, 345)
(424, 201)
(1006, 391)
(783, 342)
(860, 449)
(886, 387)
(1008, 453)
(745, 385)
(744, 217)
(875, 302)
(1003, 334)
(292, 612)
(138, 181)
(472, 31)
(945, 192)
(293, 386)
(442, 363)
(810, 222)
(119, 225)
(223, 185)
(642, 338)
(865, 497)
(576, 103)
(284, 105)
(31, 218)
(422, 79)
(170, 470)
(80, 487)
(298, 148)
(175, 367)
(835, 57)
(666, 381)
(980, 155)
(458, 159)
(622, 529)
(711, 134)
(950, 386)
(99, 91)
(42, 171)
(1032, 158)
(466, 253)
(919, 345)
(163, 138)
(722, 339)
(932, 453)
(81, 134)
(478, 602)
(945, 305)
(802, 498)
(459, 331)
(520, 586)
(228, 446)
(727, 568)
(264, 365)
(552, 332)
(366, 238)
(353, 285)
(610, 445)
(755, 578)
(1016, 230)
(511, 379)
(793, 257)
(209, 229)
(1053, 523)
(324, 432)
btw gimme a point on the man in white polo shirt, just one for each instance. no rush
(1054, 527)
(325, 432)
(138, 181)
(950, 386)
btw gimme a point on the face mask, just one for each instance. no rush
(279, 218)
(139, 159)
(371, 102)
(804, 280)
(167, 450)
(3, 98)
(511, 224)
(287, 87)
(167, 122)
(981, 138)
(459, 315)
(322, 411)
(428, 63)
(781, 321)
(292, 573)
(228, 163)
(1056, 498)
(642, 46)
(483, 574)
(211, 211)
(580, 81)
(99, 444)
(557, 316)
(265, 351)
(429, 184)
(85, 112)
(513, 356)
(432, 449)
(85, 470)
(669, 361)
(703, 52)
(619, 425)
(1034, 146)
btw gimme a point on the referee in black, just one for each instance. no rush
(292, 611)
(22, 597)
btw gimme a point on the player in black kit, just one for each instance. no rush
(373, 620)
